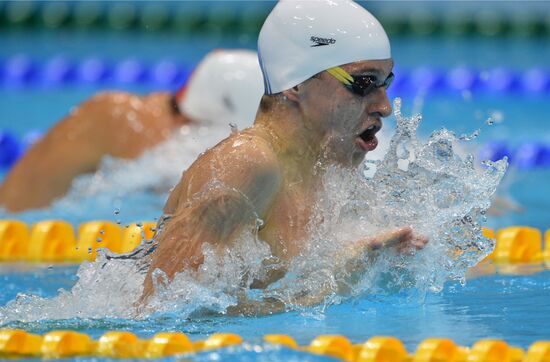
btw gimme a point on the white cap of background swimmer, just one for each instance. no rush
(301, 38)
(225, 87)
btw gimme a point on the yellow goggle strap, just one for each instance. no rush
(341, 75)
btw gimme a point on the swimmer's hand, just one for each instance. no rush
(353, 260)
(403, 239)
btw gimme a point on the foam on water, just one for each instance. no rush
(422, 184)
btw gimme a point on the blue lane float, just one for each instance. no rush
(494, 151)
(499, 80)
(19, 70)
(93, 70)
(22, 70)
(535, 80)
(526, 156)
(58, 70)
(10, 149)
(532, 155)
(168, 73)
(461, 78)
(131, 71)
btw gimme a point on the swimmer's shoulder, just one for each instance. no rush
(241, 160)
(252, 148)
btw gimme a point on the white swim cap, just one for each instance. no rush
(225, 87)
(301, 38)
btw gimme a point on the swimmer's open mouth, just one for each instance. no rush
(367, 140)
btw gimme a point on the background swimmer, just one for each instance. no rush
(226, 87)
(323, 106)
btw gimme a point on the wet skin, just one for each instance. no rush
(271, 172)
(117, 124)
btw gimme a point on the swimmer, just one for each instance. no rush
(326, 66)
(226, 87)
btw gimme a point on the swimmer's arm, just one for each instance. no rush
(48, 168)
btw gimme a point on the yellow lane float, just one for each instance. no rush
(17, 343)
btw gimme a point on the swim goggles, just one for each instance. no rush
(359, 84)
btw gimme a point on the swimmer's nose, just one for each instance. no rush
(380, 103)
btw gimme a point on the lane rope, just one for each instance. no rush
(22, 70)
(148, 16)
(117, 344)
(56, 241)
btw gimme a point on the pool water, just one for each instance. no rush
(510, 307)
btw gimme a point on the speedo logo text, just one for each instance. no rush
(321, 41)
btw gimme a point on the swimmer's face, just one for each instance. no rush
(345, 123)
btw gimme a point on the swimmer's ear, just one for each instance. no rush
(292, 94)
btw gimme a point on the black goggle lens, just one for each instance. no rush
(364, 84)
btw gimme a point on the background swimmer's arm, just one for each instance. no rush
(223, 193)
(49, 166)
(107, 124)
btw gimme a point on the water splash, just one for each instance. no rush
(422, 184)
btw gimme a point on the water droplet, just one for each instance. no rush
(494, 117)
(469, 137)
(185, 130)
(102, 231)
(90, 250)
(116, 212)
(99, 240)
(234, 128)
